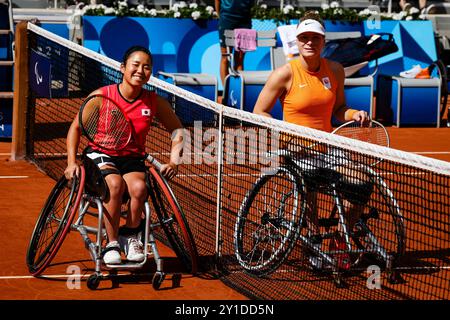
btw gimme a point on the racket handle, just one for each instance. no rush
(154, 162)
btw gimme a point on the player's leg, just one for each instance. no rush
(129, 234)
(112, 207)
(238, 60)
(223, 64)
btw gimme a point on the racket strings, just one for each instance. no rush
(105, 124)
(374, 135)
(370, 132)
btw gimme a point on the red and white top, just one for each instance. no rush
(140, 112)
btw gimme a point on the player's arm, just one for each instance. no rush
(340, 110)
(72, 143)
(278, 83)
(173, 125)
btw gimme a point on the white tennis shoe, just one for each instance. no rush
(133, 248)
(111, 254)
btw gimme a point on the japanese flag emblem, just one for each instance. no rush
(146, 112)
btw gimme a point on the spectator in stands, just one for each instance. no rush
(233, 14)
(311, 90)
(406, 5)
(124, 170)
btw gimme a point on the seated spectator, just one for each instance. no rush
(406, 5)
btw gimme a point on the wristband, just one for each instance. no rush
(351, 113)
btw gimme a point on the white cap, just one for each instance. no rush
(310, 25)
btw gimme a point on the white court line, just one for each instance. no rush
(208, 175)
(444, 268)
(56, 276)
(243, 175)
(5, 153)
(431, 152)
(14, 177)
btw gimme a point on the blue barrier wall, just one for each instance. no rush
(415, 41)
(185, 45)
(177, 45)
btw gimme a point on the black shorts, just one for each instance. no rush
(122, 165)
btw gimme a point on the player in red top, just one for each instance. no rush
(125, 169)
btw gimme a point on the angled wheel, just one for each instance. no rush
(54, 223)
(380, 233)
(269, 220)
(173, 221)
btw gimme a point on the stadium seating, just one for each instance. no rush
(242, 88)
(409, 101)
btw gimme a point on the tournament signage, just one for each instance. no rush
(40, 74)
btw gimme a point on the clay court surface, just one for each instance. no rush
(23, 191)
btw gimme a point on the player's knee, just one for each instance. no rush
(116, 186)
(138, 189)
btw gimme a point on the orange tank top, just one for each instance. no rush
(310, 100)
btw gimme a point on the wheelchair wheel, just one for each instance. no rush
(173, 221)
(269, 221)
(381, 232)
(54, 223)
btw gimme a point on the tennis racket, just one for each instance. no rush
(104, 124)
(369, 131)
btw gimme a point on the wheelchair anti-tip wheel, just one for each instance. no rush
(158, 279)
(93, 281)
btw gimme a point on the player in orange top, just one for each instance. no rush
(311, 90)
(125, 169)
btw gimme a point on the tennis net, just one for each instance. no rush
(260, 204)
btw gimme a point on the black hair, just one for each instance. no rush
(135, 49)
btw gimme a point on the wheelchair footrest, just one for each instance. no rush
(126, 265)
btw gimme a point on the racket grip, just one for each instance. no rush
(154, 162)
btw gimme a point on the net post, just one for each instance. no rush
(218, 245)
(18, 146)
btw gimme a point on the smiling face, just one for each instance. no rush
(310, 44)
(137, 69)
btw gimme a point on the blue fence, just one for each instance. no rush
(185, 45)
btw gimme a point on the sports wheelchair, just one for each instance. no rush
(273, 217)
(70, 203)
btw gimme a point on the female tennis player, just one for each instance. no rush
(311, 90)
(124, 169)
